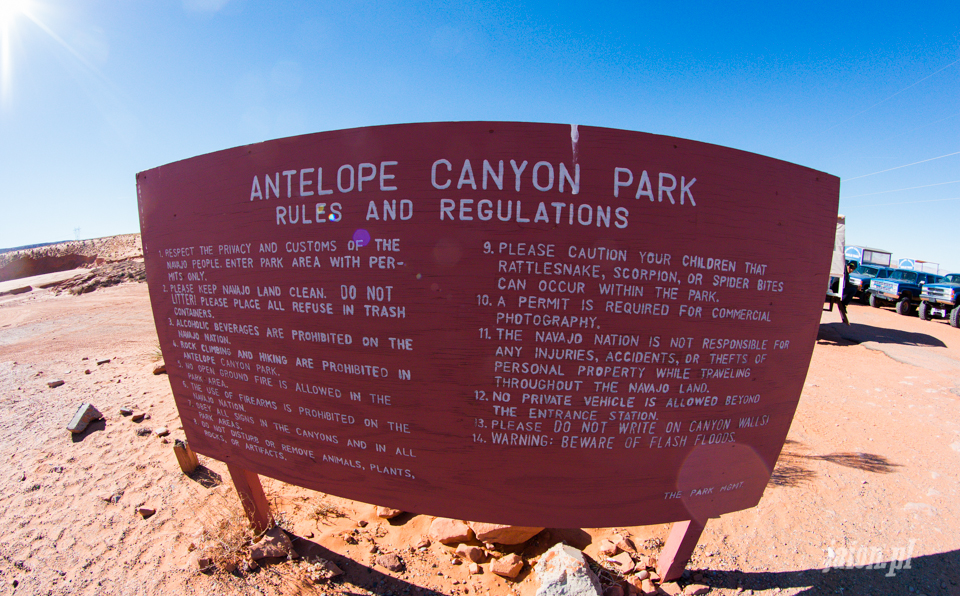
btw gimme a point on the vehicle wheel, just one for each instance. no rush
(923, 311)
(955, 316)
(903, 307)
(874, 301)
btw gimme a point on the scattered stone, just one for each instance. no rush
(647, 588)
(563, 571)
(126, 411)
(622, 562)
(671, 589)
(229, 566)
(362, 523)
(86, 414)
(112, 497)
(474, 569)
(423, 543)
(146, 511)
(164, 440)
(23, 476)
(650, 562)
(500, 534)
(373, 549)
(275, 543)
(509, 566)
(387, 512)
(391, 562)
(103, 361)
(144, 432)
(159, 368)
(635, 583)
(472, 553)
(138, 417)
(322, 570)
(249, 565)
(456, 561)
(643, 574)
(625, 543)
(86, 372)
(200, 563)
(607, 547)
(695, 590)
(162, 431)
(54, 384)
(450, 531)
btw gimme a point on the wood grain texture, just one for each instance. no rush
(494, 366)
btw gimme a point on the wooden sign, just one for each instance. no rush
(534, 324)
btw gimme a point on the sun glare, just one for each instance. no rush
(10, 9)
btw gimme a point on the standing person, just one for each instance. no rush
(848, 289)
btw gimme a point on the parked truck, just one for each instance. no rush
(902, 289)
(940, 299)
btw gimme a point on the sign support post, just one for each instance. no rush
(678, 549)
(254, 502)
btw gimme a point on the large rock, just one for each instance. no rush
(563, 571)
(499, 534)
(509, 566)
(388, 512)
(275, 543)
(450, 531)
(86, 414)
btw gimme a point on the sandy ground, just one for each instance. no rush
(870, 470)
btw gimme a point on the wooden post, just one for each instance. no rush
(185, 457)
(676, 552)
(251, 497)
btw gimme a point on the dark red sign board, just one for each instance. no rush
(534, 324)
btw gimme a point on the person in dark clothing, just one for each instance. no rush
(849, 290)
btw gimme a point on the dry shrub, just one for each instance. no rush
(325, 510)
(226, 535)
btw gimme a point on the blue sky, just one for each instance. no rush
(94, 91)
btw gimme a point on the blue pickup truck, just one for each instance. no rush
(864, 274)
(940, 299)
(902, 288)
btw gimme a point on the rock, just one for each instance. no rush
(649, 562)
(695, 590)
(563, 571)
(499, 534)
(424, 542)
(362, 523)
(322, 569)
(623, 563)
(671, 589)
(474, 569)
(607, 547)
(450, 531)
(509, 566)
(84, 416)
(143, 432)
(275, 543)
(112, 496)
(390, 561)
(87, 371)
(146, 511)
(647, 588)
(54, 384)
(387, 512)
(625, 543)
(472, 553)
(103, 361)
(162, 431)
(643, 574)
(229, 566)
(126, 411)
(159, 368)
(139, 416)
(200, 562)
